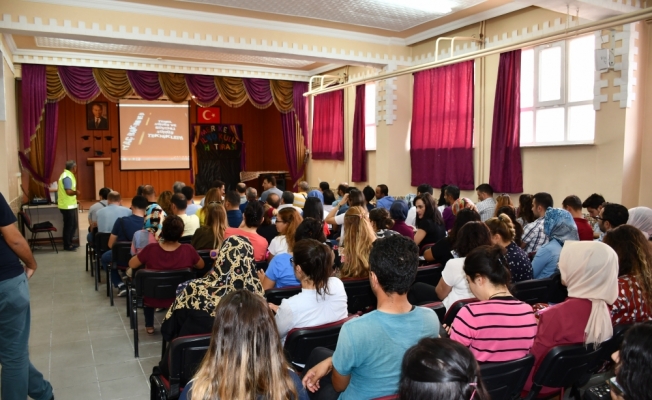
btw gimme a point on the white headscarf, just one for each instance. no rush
(641, 218)
(590, 271)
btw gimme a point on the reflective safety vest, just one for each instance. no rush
(65, 201)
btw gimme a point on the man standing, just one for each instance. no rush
(486, 204)
(383, 199)
(67, 203)
(19, 377)
(269, 184)
(533, 235)
(107, 216)
(573, 205)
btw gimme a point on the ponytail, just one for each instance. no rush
(489, 262)
(503, 226)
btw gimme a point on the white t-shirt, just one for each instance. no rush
(308, 309)
(278, 245)
(454, 276)
(190, 224)
(411, 218)
(339, 220)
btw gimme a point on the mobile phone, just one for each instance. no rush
(615, 386)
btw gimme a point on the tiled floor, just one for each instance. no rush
(81, 344)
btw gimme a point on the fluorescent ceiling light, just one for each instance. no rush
(429, 6)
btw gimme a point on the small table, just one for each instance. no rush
(98, 163)
(47, 212)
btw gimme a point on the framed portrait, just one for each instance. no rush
(97, 116)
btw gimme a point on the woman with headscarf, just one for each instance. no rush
(317, 194)
(589, 270)
(641, 218)
(154, 217)
(559, 226)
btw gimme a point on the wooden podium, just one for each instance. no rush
(98, 163)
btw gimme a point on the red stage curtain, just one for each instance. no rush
(506, 171)
(328, 127)
(359, 158)
(442, 126)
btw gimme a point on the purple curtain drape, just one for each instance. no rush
(51, 133)
(359, 157)
(328, 127)
(203, 88)
(289, 124)
(79, 83)
(300, 105)
(145, 84)
(259, 91)
(34, 95)
(441, 149)
(506, 170)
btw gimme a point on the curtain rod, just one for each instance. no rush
(552, 37)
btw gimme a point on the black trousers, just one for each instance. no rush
(326, 390)
(69, 226)
(422, 293)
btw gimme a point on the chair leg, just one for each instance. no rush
(129, 300)
(134, 313)
(54, 246)
(92, 258)
(31, 247)
(88, 253)
(108, 283)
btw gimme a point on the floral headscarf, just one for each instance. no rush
(559, 225)
(154, 217)
(317, 194)
(461, 204)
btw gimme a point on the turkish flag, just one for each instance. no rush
(208, 115)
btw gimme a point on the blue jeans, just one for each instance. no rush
(115, 276)
(19, 377)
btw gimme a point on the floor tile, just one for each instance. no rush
(110, 372)
(125, 387)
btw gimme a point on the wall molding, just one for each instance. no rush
(7, 54)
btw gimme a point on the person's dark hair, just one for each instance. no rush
(635, 362)
(615, 214)
(525, 208)
(273, 200)
(453, 191)
(241, 188)
(271, 179)
(313, 209)
(104, 193)
(485, 188)
(189, 192)
(518, 228)
(398, 210)
(316, 261)
(324, 186)
(309, 228)
(425, 188)
(288, 197)
(172, 229)
(179, 200)
(369, 193)
(253, 214)
(148, 190)
(442, 200)
(543, 199)
(573, 202)
(380, 218)
(232, 197)
(384, 190)
(471, 236)
(431, 210)
(394, 260)
(217, 184)
(139, 190)
(139, 202)
(593, 201)
(440, 369)
(463, 216)
(489, 262)
(356, 198)
(342, 188)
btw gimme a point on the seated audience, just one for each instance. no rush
(241, 188)
(502, 200)
(107, 216)
(154, 217)
(274, 200)
(150, 194)
(322, 299)
(301, 196)
(328, 195)
(92, 211)
(356, 246)
(441, 202)
(269, 185)
(280, 272)
(559, 227)
(193, 311)
(167, 255)
(634, 275)
(190, 222)
(287, 201)
(366, 362)
(319, 195)
(342, 189)
(499, 327)
(267, 228)
(313, 208)
(451, 195)
(524, 213)
(431, 227)
(412, 212)
(165, 202)
(252, 197)
(381, 223)
(369, 195)
(612, 215)
(641, 218)
(219, 193)
(441, 252)
(212, 196)
(352, 199)
(518, 228)
(463, 204)
(440, 369)
(573, 205)
(253, 217)
(245, 357)
(139, 190)
(533, 234)
(587, 269)
(486, 204)
(383, 199)
(177, 186)
(211, 235)
(287, 221)
(593, 205)
(189, 192)
(398, 212)
(633, 365)
(503, 234)
(232, 206)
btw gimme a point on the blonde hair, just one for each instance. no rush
(216, 220)
(212, 196)
(245, 358)
(502, 225)
(502, 200)
(292, 218)
(359, 237)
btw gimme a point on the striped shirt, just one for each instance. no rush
(500, 329)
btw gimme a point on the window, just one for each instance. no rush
(557, 93)
(370, 116)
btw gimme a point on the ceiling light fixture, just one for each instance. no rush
(429, 6)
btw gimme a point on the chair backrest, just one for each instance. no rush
(300, 342)
(186, 239)
(121, 253)
(505, 380)
(533, 291)
(184, 357)
(27, 221)
(275, 296)
(565, 366)
(161, 284)
(430, 274)
(609, 346)
(101, 242)
(360, 297)
(425, 247)
(208, 262)
(438, 308)
(452, 311)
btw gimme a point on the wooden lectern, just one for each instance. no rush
(99, 163)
